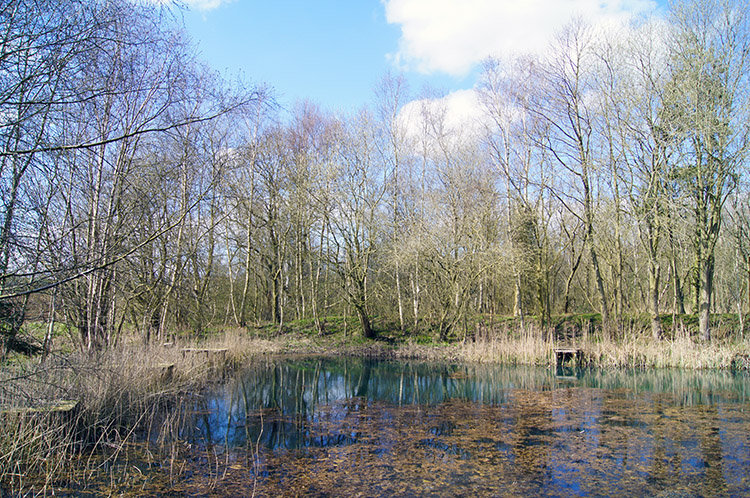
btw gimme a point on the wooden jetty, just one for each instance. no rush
(63, 406)
(564, 356)
(209, 352)
(215, 357)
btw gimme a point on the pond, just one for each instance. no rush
(358, 427)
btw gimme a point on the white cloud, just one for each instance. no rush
(456, 114)
(202, 5)
(451, 36)
(206, 4)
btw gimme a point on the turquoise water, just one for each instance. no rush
(358, 427)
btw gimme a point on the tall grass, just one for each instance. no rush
(121, 395)
(682, 351)
(634, 348)
(523, 346)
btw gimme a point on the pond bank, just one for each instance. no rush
(508, 343)
(121, 393)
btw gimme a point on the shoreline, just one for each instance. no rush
(512, 347)
(119, 392)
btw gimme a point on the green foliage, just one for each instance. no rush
(11, 318)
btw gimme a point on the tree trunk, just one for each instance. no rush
(599, 284)
(517, 297)
(588, 214)
(677, 292)
(246, 282)
(706, 287)
(569, 282)
(315, 283)
(364, 321)
(402, 324)
(678, 295)
(415, 290)
(653, 289)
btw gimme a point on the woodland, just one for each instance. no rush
(141, 193)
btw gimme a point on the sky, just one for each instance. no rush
(333, 53)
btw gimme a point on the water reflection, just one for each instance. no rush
(321, 426)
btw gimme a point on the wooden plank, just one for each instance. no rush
(209, 352)
(564, 355)
(61, 406)
(215, 357)
(205, 350)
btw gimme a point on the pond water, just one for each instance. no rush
(357, 427)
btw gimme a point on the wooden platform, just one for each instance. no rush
(62, 406)
(215, 357)
(564, 356)
(207, 351)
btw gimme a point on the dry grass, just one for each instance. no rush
(636, 349)
(527, 346)
(681, 352)
(122, 393)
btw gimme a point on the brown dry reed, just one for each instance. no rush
(632, 348)
(119, 395)
(125, 393)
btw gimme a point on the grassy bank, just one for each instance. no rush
(121, 394)
(507, 340)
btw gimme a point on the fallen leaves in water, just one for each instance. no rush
(554, 441)
(570, 442)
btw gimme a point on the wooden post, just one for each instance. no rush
(211, 355)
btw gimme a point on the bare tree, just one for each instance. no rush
(566, 104)
(355, 220)
(512, 137)
(708, 97)
(634, 76)
(392, 147)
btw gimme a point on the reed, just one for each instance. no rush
(121, 395)
(528, 345)
(680, 352)
(635, 348)
(134, 389)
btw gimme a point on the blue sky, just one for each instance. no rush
(334, 52)
(328, 52)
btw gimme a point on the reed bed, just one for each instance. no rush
(681, 352)
(119, 395)
(528, 345)
(134, 389)
(533, 345)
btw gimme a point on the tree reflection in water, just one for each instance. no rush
(361, 427)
